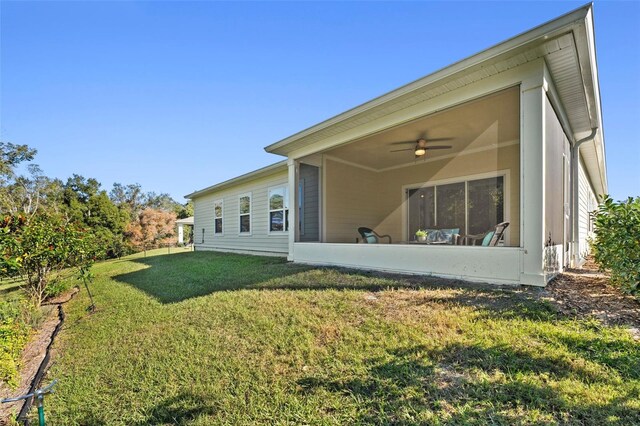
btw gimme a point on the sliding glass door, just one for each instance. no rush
(473, 206)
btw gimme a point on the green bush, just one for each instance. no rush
(56, 288)
(15, 328)
(617, 241)
(43, 249)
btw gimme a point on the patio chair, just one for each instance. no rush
(488, 239)
(370, 236)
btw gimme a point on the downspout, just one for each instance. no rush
(575, 205)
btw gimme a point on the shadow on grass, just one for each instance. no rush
(181, 409)
(171, 279)
(178, 277)
(461, 384)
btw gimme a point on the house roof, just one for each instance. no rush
(265, 171)
(567, 44)
(185, 221)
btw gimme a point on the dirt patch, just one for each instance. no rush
(31, 358)
(586, 292)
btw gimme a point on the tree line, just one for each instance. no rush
(51, 225)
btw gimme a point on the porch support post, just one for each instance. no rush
(293, 205)
(532, 178)
(180, 233)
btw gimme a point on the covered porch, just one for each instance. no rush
(466, 182)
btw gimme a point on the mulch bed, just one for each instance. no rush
(586, 292)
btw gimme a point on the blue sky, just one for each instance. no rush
(180, 95)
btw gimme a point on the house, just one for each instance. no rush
(511, 134)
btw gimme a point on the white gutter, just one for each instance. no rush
(575, 204)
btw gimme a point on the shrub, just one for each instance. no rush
(42, 249)
(617, 241)
(15, 328)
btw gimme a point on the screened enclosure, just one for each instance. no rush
(454, 174)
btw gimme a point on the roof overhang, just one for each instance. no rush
(185, 221)
(278, 167)
(568, 39)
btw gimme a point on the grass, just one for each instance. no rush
(207, 338)
(10, 288)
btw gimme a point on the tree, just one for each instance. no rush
(161, 202)
(108, 223)
(11, 155)
(186, 210)
(152, 228)
(81, 188)
(129, 198)
(41, 249)
(25, 194)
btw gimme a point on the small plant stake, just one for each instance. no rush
(39, 396)
(85, 274)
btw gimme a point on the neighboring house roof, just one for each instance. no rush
(265, 171)
(185, 221)
(566, 44)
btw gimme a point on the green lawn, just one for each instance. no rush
(10, 288)
(207, 338)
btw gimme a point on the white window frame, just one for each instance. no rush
(246, 194)
(221, 233)
(283, 210)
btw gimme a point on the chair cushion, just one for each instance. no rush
(487, 239)
(446, 235)
(432, 235)
(441, 235)
(371, 239)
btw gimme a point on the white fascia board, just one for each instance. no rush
(584, 39)
(186, 220)
(597, 104)
(280, 166)
(522, 41)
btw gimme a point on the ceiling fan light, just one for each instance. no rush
(420, 151)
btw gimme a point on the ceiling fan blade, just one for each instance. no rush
(403, 143)
(398, 150)
(439, 147)
(417, 141)
(438, 139)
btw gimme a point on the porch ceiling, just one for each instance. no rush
(485, 123)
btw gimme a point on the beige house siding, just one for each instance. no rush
(260, 240)
(587, 202)
(557, 189)
(359, 197)
(351, 201)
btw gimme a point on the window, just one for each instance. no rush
(245, 213)
(485, 204)
(217, 217)
(278, 209)
(450, 206)
(472, 207)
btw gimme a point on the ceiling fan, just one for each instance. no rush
(421, 146)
